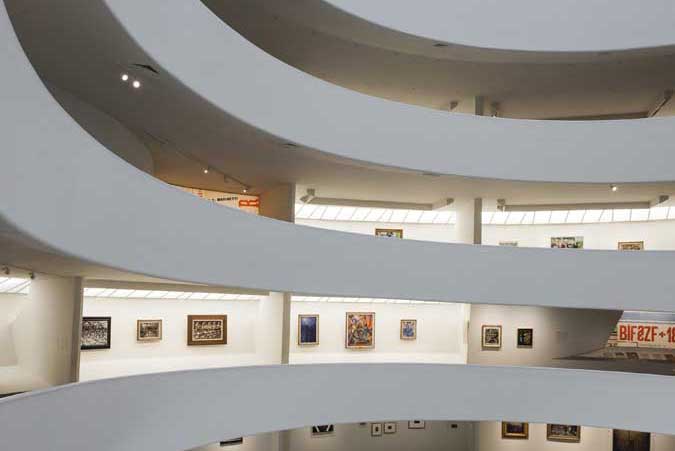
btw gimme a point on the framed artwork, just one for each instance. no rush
(95, 332)
(234, 441)
(631, 245)
(563, 433)
(308, 330)
(360, 330)
(408, 329)
(390, 428)
(417, 424)
(389, 233)
(511, 429)
(375, 429)
(149, 330)
(567, 242)
(525, 338)
(491, 337)
(509, 243)
(323, 429)
(207, 330)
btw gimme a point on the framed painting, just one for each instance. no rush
(323, 429)
(390, 428)
(525, 338)
(509, 243)
(308, 330)
(514, 430)
(389, 233)
(375, 429)
(148, 330)
(408, 329)
(207, 330)
(567, 242)
(491, 337)
(563, 433)
(360, 330)
(232, 442)
(631, 245)
(417, 424)
(95, 332)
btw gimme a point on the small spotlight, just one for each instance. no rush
(136, 84)
(615, 188)
(245, 190)
(125, 77)
(206, 170)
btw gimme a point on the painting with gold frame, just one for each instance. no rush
(308, 330)
(408, 329)
(515, 430)
(563, 433)
(631, 245)
(389, 233)
(491, 337)
(360, 330)
(204, 330)
(148, 330)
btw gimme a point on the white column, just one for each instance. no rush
(468, 225)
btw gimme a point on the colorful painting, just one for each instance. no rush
(389, 233)
(408, 329)
(525, 338)
(360, 330)
(511, 429)
(95, 332)
(631, 245)
(567, 242)
(149, 330)
(563, 433)
(509, 243)
(308, 330)
(207, 330)
(491, 337)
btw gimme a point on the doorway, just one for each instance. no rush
(631, 441)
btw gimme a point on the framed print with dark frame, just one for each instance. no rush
(323, 429)
(515, 430)
(389, 233)
(417, 424)
(95, 332)
(360, 330)
(567, 242)
(375, 429)
(408, 329)
(203, 330)
(525, 337)
(491, 337)
(148, 330)
(232, 442)
(390, 428)
(563, 433)
(308, 330)
(631, 245)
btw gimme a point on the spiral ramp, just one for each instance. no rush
(75, 189)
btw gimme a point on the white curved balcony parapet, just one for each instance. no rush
(63, 190)
(249, 84)
(182, 410)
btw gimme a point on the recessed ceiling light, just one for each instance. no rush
(615, 188)
(137, 84)
(245, 190)
(125, 77)
(206, 170)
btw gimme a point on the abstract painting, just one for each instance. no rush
(491, 337)
(511, 429)
(389, 233)
(631, 245)
(563, 433)
(360, 330)
(567, 242)
(149, 330)
(207, 330)
(95, 332)
(308, 330)
(525, 338)
(408, 329)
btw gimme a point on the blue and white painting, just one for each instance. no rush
(308, 330)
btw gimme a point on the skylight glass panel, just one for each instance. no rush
(398, 215)
(442, 218)
(346, 214)
(452, 219)
(500, 217)
(515, 217)
(621, 215)
(639, 214)
(559, 217)
(658, 213)
(413, 216)
(360, 214)
(120, 293)
(486, 217)
(157, 294)
(575, 216)
(140, 294)
(306, 211)
(592, 216)
(92, 292)
(13, 284)
(214, 296)
(107, 292)
(542, 217)
(318, 213)
(428, 217)
(374, 215)
(330, 213)
(607, 216)
(386, 217)
(298, 209)
(528, 218)
(197, 296)
(671, 213)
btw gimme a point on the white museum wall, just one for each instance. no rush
(10, 305)
(557, 333)
(424, 232)
(441, 333)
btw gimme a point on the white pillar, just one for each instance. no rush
(468, 225)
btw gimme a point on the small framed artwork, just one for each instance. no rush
(509, 243)
(390, 428)
(567, 242)
(234, 441)
(525, 338)
(389, 233)
(308, 330)
(323, 429)
(563, 433)
(360, 330)
(408, 329)
(417, 424)
(491, 337)
(149, 330)
(375, 429)
(514, 430)
(207, 330)
(95, 332)
(631, 245)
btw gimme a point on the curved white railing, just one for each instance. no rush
(65, 191)
(254, 87)
(178, 411)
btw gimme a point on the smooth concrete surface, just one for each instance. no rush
(178, 411)
(295, 107)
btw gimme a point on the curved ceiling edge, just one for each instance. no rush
(263, 394)
(247, 83)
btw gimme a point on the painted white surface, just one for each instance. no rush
(441, 333)
(10, 305)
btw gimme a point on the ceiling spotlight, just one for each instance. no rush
(125, 77)
(614, 188)
(245, 190)
(136, 84)
(206, 170)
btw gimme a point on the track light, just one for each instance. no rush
(136, 84)
(614, 188)
(5, 269)
(125, 77)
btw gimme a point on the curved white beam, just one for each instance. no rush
(64, 190)
(177, 411)
(254, 87)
